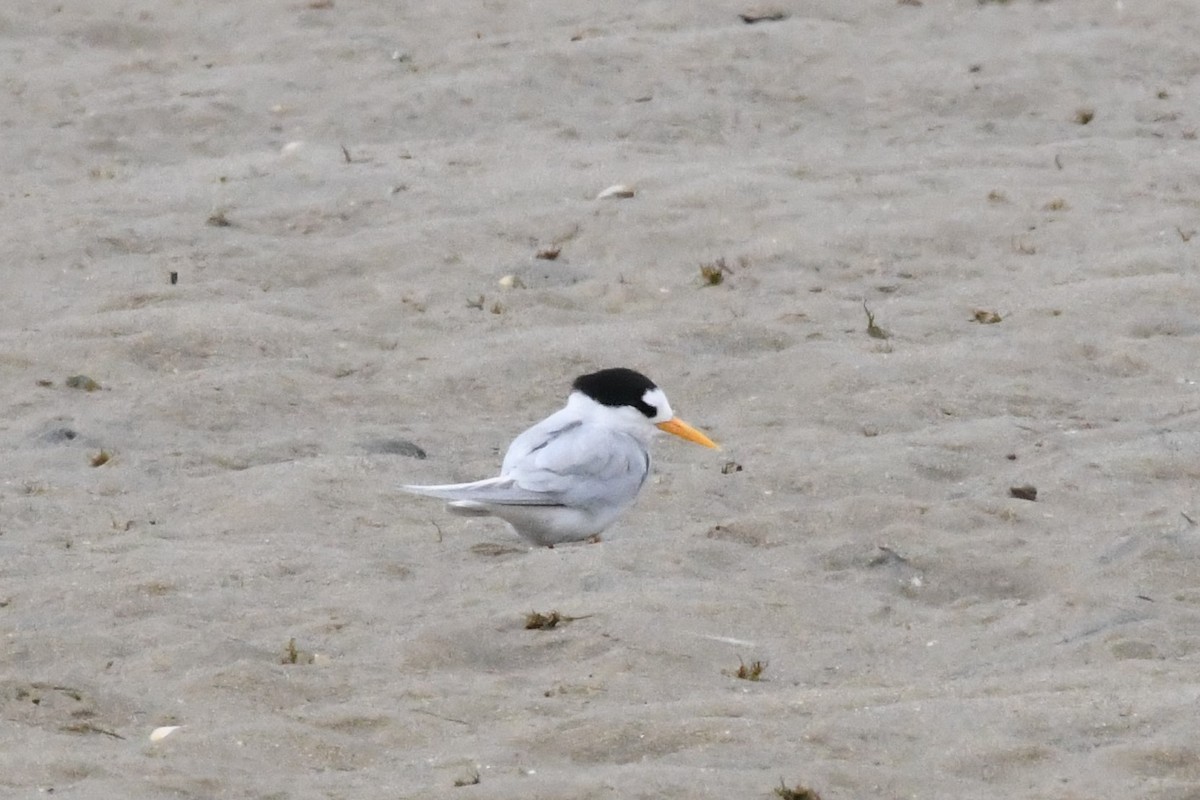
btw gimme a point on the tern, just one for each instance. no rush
(570, 476)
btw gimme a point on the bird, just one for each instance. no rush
(570, 476)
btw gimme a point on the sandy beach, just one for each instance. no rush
(927, 271)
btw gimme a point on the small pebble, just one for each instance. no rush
(1026, 492)
(767, 14)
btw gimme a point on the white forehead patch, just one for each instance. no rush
(658, 399)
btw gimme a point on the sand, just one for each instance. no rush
(339, 189)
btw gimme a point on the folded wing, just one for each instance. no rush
(556, 463)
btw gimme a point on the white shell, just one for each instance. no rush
(158, 734)
(618, 190)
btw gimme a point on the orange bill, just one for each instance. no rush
(684, 431)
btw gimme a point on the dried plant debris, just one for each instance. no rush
(748, 672)
(101, 458)
(1084, 115)
(730, 467)
(873, 330)
(997, 196)
(82, 382)
(1057, 204)
(798, 793)
(219, 220)
(762, 14)
(753, 672)
(985, 317)
(549, 253)
(886, 556)
(294, 655)
(1024, 492)
(713, 274)
(489, 549)
(470, 780)
(537, 621)
(88, 727)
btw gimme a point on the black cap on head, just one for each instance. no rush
(617, 387)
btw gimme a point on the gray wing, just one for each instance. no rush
(538, 438)
(558, 462)
(581, 465)
(505, 490)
